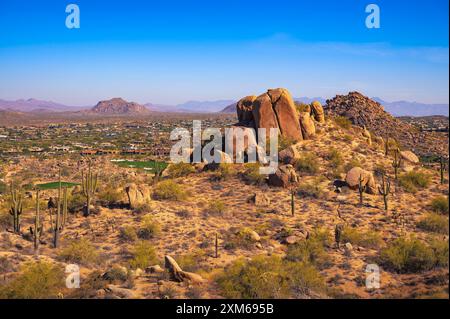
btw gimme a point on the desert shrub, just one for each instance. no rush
(109, 195)
(343, 122)
(80, 251)
(307, 163)
(379, 170)
(191, 261)
(149, 228)
(89, 286)
(143, 255)
(412, 181)
(347, 138)
(223, 172)
(142, 208)
(335, 158)
(440, 250)
(76, 202)
(367, 239)
(407, 255)
(6, 265)
(284, 142)
(269, 277)
(310, 189)
(311, 250)
(5, 219)
(169, 190)
(440, 205)
(180, 170)
(128, 233)
(242, 238)
(354, 162)
(3, 188)
(302, 107)
(215, 208)
(252, 175)
(434, 223)
(116, 274)
(37, 280)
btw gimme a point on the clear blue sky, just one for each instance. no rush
(170, 51)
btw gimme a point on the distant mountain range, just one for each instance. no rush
(120, 106)
(34, 105)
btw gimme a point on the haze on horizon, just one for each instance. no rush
(170, 52)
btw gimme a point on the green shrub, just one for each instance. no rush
(307, 163)
(440, 205)
(128, 233)
(142, 208)
(143, 255)
(412, 181)
(109, 196)
(3, 188)
(434, 223)
(311, 250)
(310, 189)
(79, 251)
(5, 219)
(367, 239)
(302, 107)
(335, 158)
(191, 261)
(180, 170)
(223, 172)
(37, 280)
(269, 277)
(440, 250)
(215, 208)
(284, 142)
(408, 255)
(169, 190)
(252, 175)
(149, 228)
(243, 238)
(343, 122)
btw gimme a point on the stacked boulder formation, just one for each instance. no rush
(276, 109)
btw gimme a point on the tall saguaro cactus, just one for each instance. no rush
(442, 169)
(57, 228)
(386, 146)
(64, 207)
(384, 189)
(37, 223)
(89, 187)
(396, 163)
(361, 190)
(16, 207)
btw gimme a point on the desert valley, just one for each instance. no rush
(358, 207)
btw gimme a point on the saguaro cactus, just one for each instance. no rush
(57, 227)
(386, 146)
(384, 189)
(292, 202)
(16, 207)
(37, 223)
(361, 190)
(216, 246)
(396, 163)
(89, 187)
(442, 169)
(64, 207)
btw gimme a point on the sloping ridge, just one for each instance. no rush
(363, 111)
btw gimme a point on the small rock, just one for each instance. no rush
(154, 269)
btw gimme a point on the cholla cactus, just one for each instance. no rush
(16, 198)
(384, 189)
(397, 162)
(89, 187)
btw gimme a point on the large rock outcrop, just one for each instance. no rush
(317, 112)
(244, 109)
(285, 176)
(362, 111)
(137, 195)
(367, 180)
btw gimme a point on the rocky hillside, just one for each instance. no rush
(362, 111)
(119, 106)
